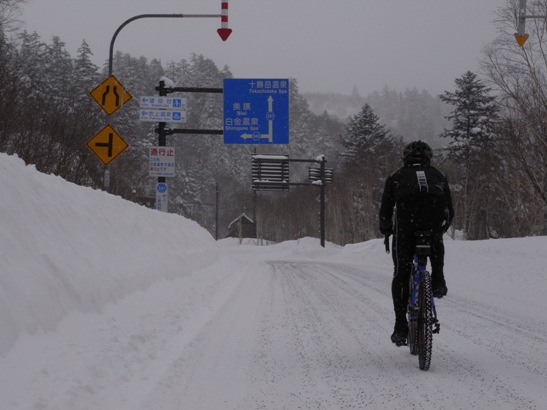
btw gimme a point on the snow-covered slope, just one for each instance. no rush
(66, 248)
(108, 305)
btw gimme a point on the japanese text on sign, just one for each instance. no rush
(256, 111)
(162, 162)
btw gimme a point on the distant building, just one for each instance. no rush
(242, 227)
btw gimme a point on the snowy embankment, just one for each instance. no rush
(67, 248)
(107, 305)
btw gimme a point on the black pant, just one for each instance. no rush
(404, 245)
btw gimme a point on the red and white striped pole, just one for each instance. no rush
(224, 32)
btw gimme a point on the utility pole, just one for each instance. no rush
(521, 35)
(224, 31)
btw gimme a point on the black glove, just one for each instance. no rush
(386, 230)
(447, 220)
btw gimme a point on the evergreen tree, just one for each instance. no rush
(59, 71)
(31, 64)
(85, 72)
(472, 149)
(10, 96)
(364, 133)
(474, 116)
(368, 148)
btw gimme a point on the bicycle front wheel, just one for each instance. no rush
(412, 316)
(425, 321)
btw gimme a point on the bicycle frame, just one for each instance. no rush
(423, 248)
(422, 314)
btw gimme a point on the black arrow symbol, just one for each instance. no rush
(114, 91)
(107, 144)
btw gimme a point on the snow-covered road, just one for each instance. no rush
(260, 330)
(107, 305)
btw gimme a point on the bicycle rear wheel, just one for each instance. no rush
(424, 322)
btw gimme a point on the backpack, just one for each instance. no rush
(420, 198)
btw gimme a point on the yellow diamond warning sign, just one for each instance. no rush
(107, 144)
(110, 95)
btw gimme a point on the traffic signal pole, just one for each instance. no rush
(224, 32)
(521, 35)
(142, 16)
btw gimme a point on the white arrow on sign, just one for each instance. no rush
(162, 115)
(270, 115)
(168, 103)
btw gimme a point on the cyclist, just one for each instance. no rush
(422, 200)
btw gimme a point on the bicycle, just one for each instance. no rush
(421, 311)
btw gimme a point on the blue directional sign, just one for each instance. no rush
(168, 103)
(256, 111)
(162, 115)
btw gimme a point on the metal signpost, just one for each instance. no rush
(107, 144)
(521, 35)
(110, 95)
(271, 173)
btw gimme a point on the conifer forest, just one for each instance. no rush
(488, 131)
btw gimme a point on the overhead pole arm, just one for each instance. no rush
(521, 35)
(142, 16)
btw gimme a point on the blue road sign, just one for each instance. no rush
(162, 115)
(256, 111)
(168, 103)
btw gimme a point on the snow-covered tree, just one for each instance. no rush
(474, 117)
(364, 133)
(86, 73)
(472, 148)
(368, 158)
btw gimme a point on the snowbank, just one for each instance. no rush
(68, 248)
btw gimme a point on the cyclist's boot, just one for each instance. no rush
(400, 332)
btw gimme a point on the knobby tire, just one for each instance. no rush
(412, 324)
(424, 322)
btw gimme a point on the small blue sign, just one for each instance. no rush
(256, 111)
(162, 188)
(168, 103)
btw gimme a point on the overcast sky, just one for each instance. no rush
(327, 45)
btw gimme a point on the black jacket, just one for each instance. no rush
(422, 199)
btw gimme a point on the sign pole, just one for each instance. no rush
(521, 35)
(141, 16)
(223, 32)
(162, 136)
(322, 208)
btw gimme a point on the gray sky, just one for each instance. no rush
(327, 45)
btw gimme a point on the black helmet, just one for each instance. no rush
(417, 152)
